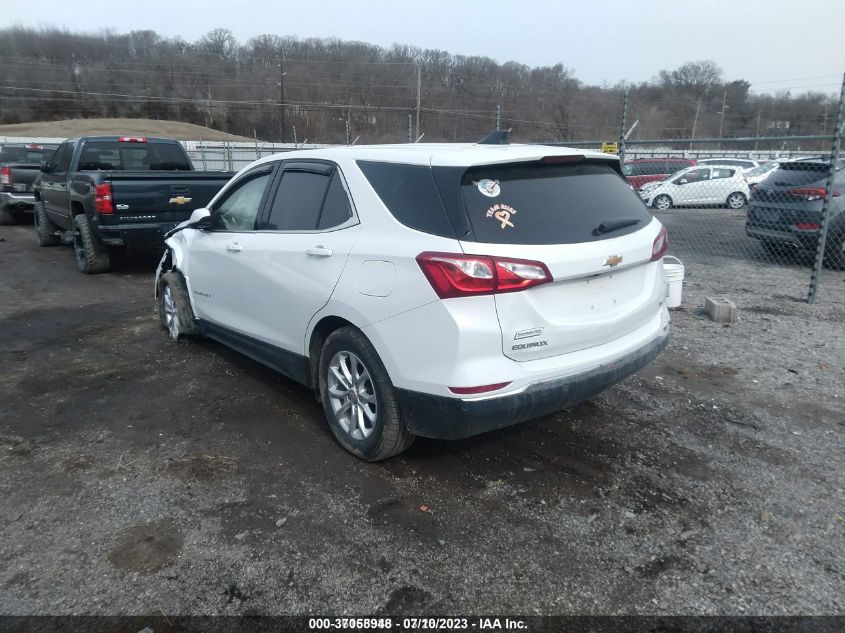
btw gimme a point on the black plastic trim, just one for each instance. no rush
(453, 418)
(292, 365)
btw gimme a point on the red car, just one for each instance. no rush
(642, 170)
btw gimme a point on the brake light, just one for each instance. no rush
(103, 198)
(563, 159)
(132, 139)
(807, 226)
(5, 175)
(459, 275)
(660, 245)
(810, 193)
(33, 146)
(483, 389)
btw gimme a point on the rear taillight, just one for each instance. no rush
(810, 193)
(103, 198)
(5, 176)
(807, 226)
(463, 391)
(660, 245)
(458, 275)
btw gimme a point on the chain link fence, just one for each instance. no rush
(759, 215)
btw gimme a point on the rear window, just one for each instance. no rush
(24, 155)
(800, 173)
(410, 194)
(113, 155)
(550, 203)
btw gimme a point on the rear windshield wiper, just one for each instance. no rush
(609, 227)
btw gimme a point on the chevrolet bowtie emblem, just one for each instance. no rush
(613, 260)
(180, 200)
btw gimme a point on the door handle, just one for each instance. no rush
(234, 247)
(319, 251)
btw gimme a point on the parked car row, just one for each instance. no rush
(418, 290)
(784, 197)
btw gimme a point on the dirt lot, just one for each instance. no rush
(142, 476)
(143, 127)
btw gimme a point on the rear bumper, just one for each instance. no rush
(453, 418)
(17, 201)
(147, 236)
(796, 237)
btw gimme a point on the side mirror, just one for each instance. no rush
(200, 219)
(45, 167)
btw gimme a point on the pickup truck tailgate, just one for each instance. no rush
(163, 196)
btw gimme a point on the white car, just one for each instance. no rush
(432, 290)
(698, 185)
(744, 164)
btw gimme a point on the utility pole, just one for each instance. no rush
(410, 129)
(347, 127)
(282, 107)
(757, 135)
(722, 118)
(695, 123)
(419, 95)
(498, 117)
(622, 128)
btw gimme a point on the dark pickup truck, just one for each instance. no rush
(110, 193)
(18, 171)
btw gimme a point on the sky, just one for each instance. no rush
(774, 44)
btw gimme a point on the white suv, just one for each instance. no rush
(432, 290)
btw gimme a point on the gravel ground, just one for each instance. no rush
(141, 476)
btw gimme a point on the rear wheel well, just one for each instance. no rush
(321, 332)
(76, 208)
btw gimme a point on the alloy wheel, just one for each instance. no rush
(352, 395)
(171, 315)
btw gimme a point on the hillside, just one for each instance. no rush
(131, 127)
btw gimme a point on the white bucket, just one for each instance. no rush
(674, 274)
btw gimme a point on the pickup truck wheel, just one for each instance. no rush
(44, 227)
(359, 399)
(6, 216)
(174, 307)
(91, 256)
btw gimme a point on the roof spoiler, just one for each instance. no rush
(499, 137)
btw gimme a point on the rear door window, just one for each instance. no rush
(721, 172)
(298, 200)
(550, 203)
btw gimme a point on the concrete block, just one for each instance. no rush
(720, 309)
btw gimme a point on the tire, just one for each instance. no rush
(662, 202)
(92, 257)
(7, 217)
(736, 200)
(834, 250)
(174, 307)
(44, 227)
(372, 436)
